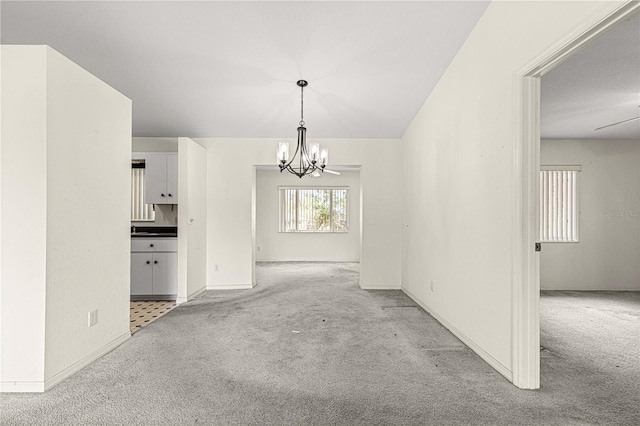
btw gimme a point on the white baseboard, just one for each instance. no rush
(378, 287)
(497, 365)
(230, 287)
(21, 387)
(196, 293)
(590, 289)
(67, 372)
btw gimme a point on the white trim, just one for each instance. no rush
(230, 286)
(22, 387)
(525, 261)
(379, 287)
(67, 372)
(571, 168)
(494, 363)
(196, 293)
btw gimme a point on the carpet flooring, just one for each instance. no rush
(307, 346)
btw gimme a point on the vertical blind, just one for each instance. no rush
(559, 206)
(314, 209)
(139, 209)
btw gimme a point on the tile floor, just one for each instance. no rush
(144, 312)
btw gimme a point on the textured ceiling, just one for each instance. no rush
(228, 69)
(600, 85)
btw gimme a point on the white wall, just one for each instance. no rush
(142, 144)
(79, 208)
(606, 257)
(459, 198)
(24, 230)
(192, 220)
(282, 246)
(231, 187)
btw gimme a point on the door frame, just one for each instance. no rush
(526, 261)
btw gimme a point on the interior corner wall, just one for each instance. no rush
(231, 164)
(273, 245)
(72, 254)
(459, 200)
(606, 256)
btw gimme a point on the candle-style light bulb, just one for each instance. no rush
(324, 157)
(283, 152)
(314, 148)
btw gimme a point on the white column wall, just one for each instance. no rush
(192, 219)
(231, 187)
(24, 212)
(88, 205)
(459, 198)
(65, 217)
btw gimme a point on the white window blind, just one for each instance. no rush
(314, 209)
(559, 206)
(140, 211)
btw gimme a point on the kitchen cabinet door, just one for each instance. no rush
(141, 273)
(165, 273)
(156, 178)
(172, 178)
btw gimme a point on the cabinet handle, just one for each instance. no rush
(148, 262)
(155, 261)
(150, 245)
(162, 195)
(170, 195)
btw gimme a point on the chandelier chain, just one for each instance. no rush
(302, 106)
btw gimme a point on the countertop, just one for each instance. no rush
(154, 231)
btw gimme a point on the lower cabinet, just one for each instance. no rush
(154, 275)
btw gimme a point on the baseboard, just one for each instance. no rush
(67, 372)
(230, 287)
(308, 261)
(591, 289)
(378, 287)
(497, 365)
(197, 293)
(21, 387)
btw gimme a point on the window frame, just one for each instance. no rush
(560, 168)
(139, 164)
(281, 209)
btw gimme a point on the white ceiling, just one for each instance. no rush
(228, 69)
(600, 85)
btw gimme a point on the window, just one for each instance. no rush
(559, 204)
(140, 211)
(314, 209)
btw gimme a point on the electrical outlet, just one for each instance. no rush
(431, 286)
(93, 318)
(217, 269)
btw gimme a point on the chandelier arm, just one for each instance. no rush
(305, 164)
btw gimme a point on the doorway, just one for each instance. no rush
(526, 291)
(313, 219)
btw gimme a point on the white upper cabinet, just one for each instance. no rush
(161, 170)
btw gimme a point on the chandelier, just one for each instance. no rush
(306, 160)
